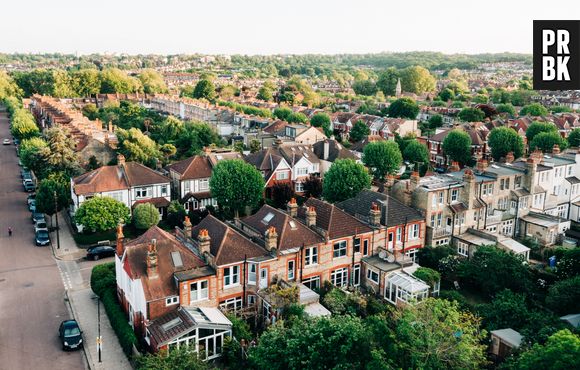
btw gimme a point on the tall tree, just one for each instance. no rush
(534, 109)
(30, 153)
(86, 82)
(417, 80)
(204, 89)
(564, 296)
(545, 141)
(322, 120)
(152, 81)
(417, 153)
(236, 185)
(145, 215)
(101, 214)
(344, 180)
(114, 80)
(60, 154)
(383, 158)
(387, 81)
(23, 126)
(359, 131)
(404, 108)
(561, 352)
(574, 138)
(538, 127)
(45, 200)
(503, 140)
(282, 113)
(457, 145)
(471, 115)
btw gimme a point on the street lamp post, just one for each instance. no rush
(99, 339)
(56, 216)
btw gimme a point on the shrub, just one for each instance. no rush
(564, 296)
(145, 215)
(103, 278)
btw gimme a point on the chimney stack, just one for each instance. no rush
(187, 227)
(120, 240)
(414, 180)
(509, 158)
(375, 214)
(311, 217)
(454, 166)
(120, 160)
(292, 207)
(556, 149)
(152, 268)
(271, 238)
(204, 241)
(481, 165)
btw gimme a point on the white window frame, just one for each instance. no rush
(299, 187)
(252, 273)
(339, 277)
(356, 275)
(282, 175)
(414, 232)
(235, 302)
(203, 184)
(463, 249)
(372, 273)
(201, 293)
(170, 301)
(339, 249)
(308, 282)
(139, 192)
(311, 256)
(454, 195)
(291, 269)
(233, 273)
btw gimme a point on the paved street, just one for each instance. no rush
(31, 289)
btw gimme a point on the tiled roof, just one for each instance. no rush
(226, 244)
(170, 326)
(158, 202)
(136, 262)
(335, 150)
(196, 167)
(291, 233)
(334, 221)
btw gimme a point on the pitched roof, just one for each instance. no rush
(226, 244)
(334, 150)
(334, 221)
(393, 212)
(293, 153)
(135, 262)
(291, 232)
(196, 167)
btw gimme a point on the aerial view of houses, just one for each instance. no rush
(288, 200)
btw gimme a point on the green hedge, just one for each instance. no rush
(103, 283)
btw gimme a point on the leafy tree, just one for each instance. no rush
(138, 147)
(506, 310)
(59, 155)
(171, 128)
(430, 256)
(560, 109)
(503, 140)
(538, 127)
(101, 214)
(152, 81)
(359, 131)
(545, 141)
(447, 94)
(561, 352)
(383, 158)
(492, 269)
(436, 335)
(86, 82)
(435, 121)
(91, 111)
(322, 120)
(228, 91)
(428, 275)
(574, 138)
(255, 146)
(8, 87)
(313, 344)
(195, 136)
(506, 108)
(564, 296)
(204, 89)
(417, 80)
(281, 193)
(236, 185)
(265, 94)
(458, 104)
(45, 200)
(114, 80)
(238, 146)
(457, 145)
(404, 108)
(145, 215)
(282, 113)
(297, 118)
(534, 109)
(175, 359)
(30, 153)
(471, 115)
(23, 126)
(415, 152)
(175, 214)
(93, 163)
(366, 88)
(312, 187)
(344, 180)
(387, 81)
(568, 262)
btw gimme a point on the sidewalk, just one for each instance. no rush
(83, 304)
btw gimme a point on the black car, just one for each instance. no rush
(70, 334)
(42, 238)
(37, 216)
(101, 251)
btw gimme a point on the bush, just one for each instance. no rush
(430, 256)
(175, 214)
(340, 303)
(104, 285)
(145, 215)
(564, 296)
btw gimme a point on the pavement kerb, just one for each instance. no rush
(88, 362)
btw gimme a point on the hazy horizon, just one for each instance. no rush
(261, 27)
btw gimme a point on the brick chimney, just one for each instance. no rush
(187, 226)
(509, 157)
(556, 149)
(204, 241)
(152, 268)
(311, 217)
(481, 165)
(120, 160)
(292, 207)
(375, 214)
(414, 180)
(120, 240)
(454, 166)
(271, 238)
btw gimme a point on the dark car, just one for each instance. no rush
(70, 334)
(32, 205)
(29, 186)
(37, 217)
(30, 198)
(101, 251)
(25, 172)
(42, 238)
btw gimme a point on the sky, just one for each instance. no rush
(274, 27)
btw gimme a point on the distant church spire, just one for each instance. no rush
(398, 88)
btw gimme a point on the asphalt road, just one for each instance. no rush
(31, 288)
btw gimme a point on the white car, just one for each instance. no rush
(6, 142)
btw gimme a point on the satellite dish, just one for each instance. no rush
(391, 258)
(382, 255)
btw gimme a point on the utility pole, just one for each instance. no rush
(56, 216)
(99, 339)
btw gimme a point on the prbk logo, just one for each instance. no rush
(556, 55)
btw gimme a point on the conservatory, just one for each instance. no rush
(402, 288)
(202, 329)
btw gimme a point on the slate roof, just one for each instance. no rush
(393, 212)
(196, 167)
(266, 160)
(135, 262)
(291, 233)
(226, 244)
(334, 221)
(335, 150)
(183, 324)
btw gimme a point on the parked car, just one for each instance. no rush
(101, 251)
(20, 162)
(32, 205)
(16, 141)
(30, 197)
(38, 217)
(42, 238)
(29, 185)
(25, 173)
(6, 142)
(70, 334)
(40, 225)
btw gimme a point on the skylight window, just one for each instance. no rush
(171, 324)
(292, 224)
(268, 218)
(176, 258)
